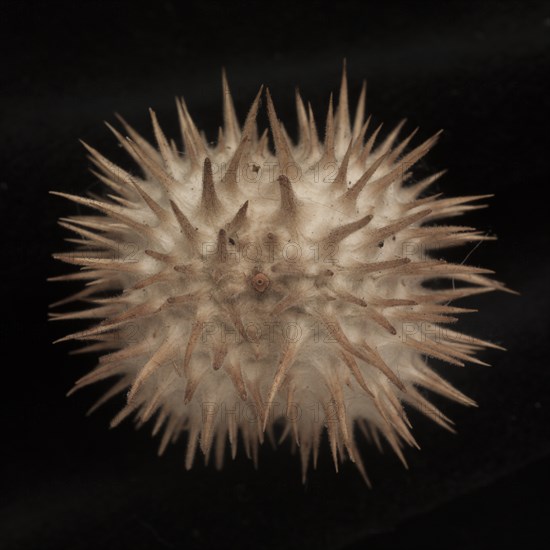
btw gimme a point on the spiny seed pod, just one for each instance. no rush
(242, 291)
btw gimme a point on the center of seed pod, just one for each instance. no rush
(260, 282)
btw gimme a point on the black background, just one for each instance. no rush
(475, 69)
